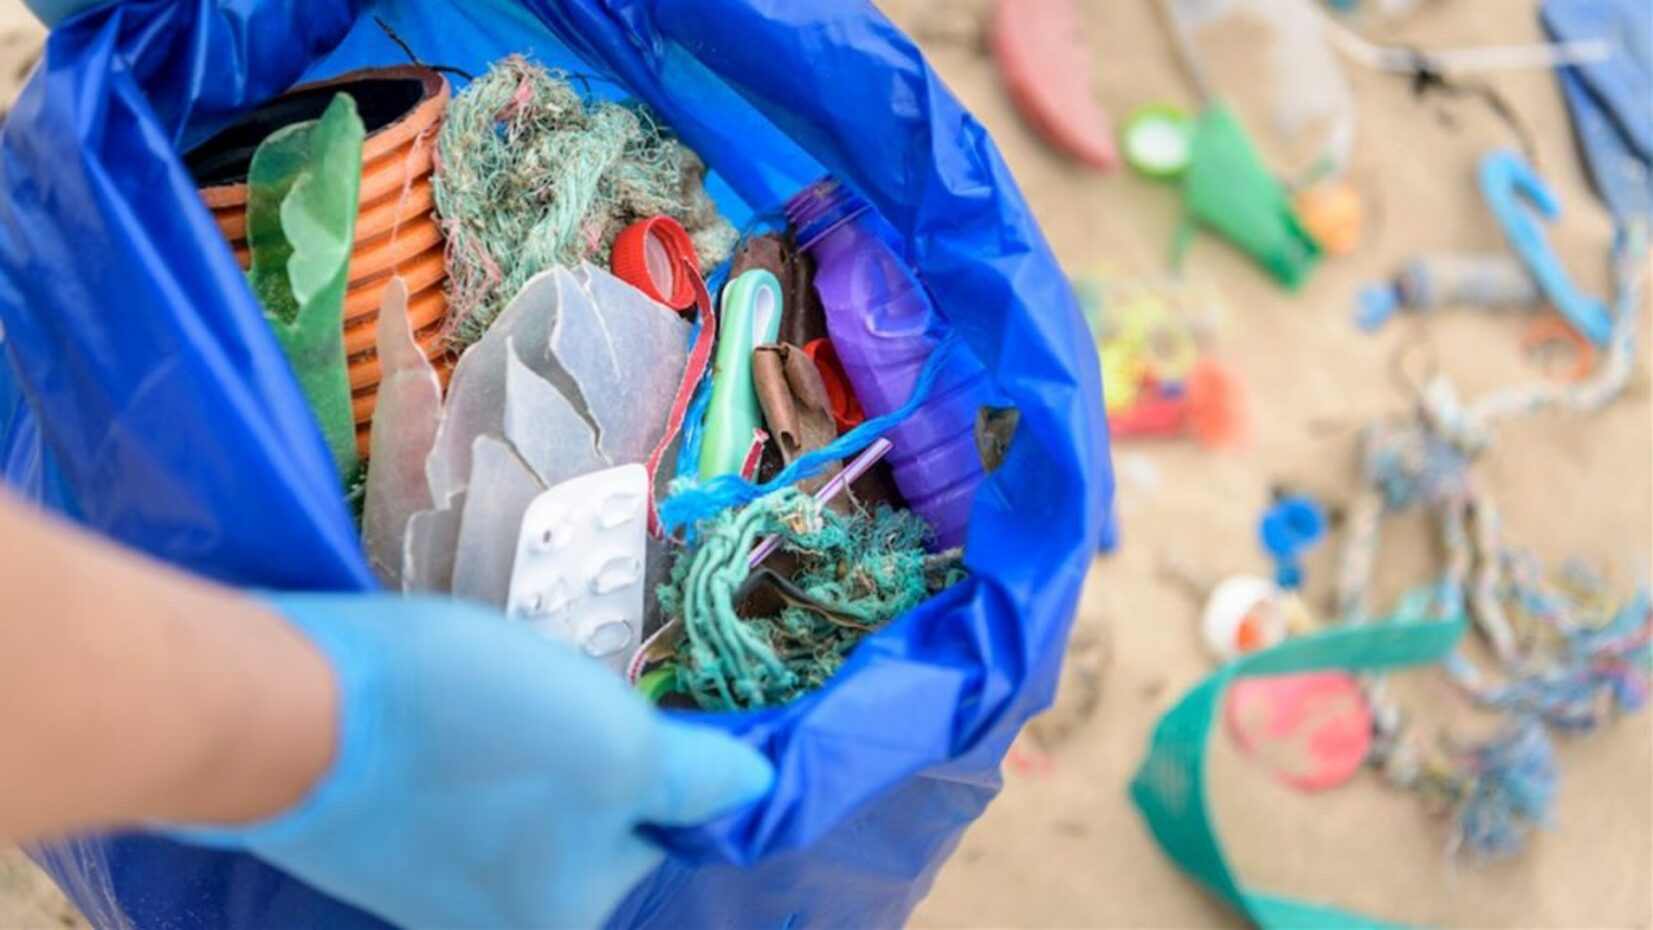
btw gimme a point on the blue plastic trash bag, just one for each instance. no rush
(157, 409)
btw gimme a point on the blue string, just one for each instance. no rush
(694, 427)
(696, 503)
(694, 419)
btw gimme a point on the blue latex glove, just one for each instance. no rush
(485, 776)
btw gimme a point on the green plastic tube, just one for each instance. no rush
(750, 317)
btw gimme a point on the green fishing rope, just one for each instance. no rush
(862, 570)
(529, 176)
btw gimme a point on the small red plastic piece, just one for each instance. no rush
(846, 407)
(651, 254)
(1047, 66)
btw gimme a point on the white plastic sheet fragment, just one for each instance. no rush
(544, 428)
(476, 396)
(428, 549)
(502, 486)
(404, 430)
(626, 354)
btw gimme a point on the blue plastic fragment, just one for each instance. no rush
(1375, 304)
(1289, 528)
(1506, 179)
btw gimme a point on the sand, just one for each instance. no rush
(1063, 847)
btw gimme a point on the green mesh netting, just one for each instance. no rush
(860, 571)
(529, 176)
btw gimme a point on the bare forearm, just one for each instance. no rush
(134, 693)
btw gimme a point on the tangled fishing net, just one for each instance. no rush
(529, 176)
(855, 573)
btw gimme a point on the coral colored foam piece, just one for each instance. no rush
(1217, 406)
(1047, 67)
(1312, 730)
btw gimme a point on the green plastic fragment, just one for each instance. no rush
(1169, 786)
(302, 190)
(658, 683)
(1228, 189)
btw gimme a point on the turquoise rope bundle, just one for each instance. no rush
(691, 504)
(857, 572)
(529, 176)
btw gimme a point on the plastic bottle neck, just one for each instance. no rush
(821, 209)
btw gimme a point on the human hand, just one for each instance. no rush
(485, 776)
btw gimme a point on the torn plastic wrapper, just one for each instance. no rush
(404, 429)
(795, 405)
(803, 319)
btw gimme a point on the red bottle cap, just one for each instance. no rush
(846, 407)
(649, 255)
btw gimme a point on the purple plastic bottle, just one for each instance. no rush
(884, 329)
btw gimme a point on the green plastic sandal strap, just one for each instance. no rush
(1169, 787)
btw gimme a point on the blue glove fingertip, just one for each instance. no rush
(704, 774)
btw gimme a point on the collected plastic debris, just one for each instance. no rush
(1489, 280)
(502, 487)
(578, 571)
(865, 569)
(803, 320)
(829, 492)
(846, 407)
(1046, 65)
(301, 220)
(795, 404)
(884, 330)
(576, 376)
(531, 486)
(531, 176)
